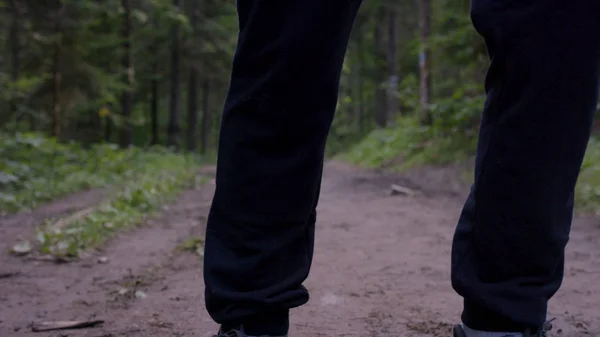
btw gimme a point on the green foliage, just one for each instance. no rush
(193, 244)
(384, 145)
(68, 54)
(451, 137)
(409, 144)
(36, 169)
(587, 193)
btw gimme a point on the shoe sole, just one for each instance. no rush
(458, 331)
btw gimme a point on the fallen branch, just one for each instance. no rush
(397, 189)
(63, 325)
(64, 222)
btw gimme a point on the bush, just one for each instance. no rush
(410, 144)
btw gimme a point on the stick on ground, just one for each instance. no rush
(397, 189)
(63, 325)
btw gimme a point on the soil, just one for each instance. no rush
(381, 267)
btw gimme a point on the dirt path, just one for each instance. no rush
(381, 268)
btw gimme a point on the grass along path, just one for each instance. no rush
(127, 206)
(410, 147)
(35, 169)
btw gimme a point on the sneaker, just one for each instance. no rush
(541, 332)
(238, 333)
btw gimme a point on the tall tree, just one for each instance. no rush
(154, 85)
(381, 114)
(424, 57)
(15, 45)
(192, 122)
(57, 72)
(127, 65)
(392, 86)
(360, 82)
(174, 124)
(206, 116)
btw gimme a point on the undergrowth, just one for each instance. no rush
(587, 192)
(133, 203)
(35, 169)
(410, 144)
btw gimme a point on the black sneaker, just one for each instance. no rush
(238, 333)
(541, 332)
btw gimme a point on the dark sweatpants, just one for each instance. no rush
(542, 88)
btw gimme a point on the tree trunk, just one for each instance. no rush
(206, 116)
(127, 65)
(15, 45)
(107, 64)
(107, 130)
(392, 85)
(380, 97)
(174, 127)
(57, 76)
(359, 84)
(154, 138)
(424, 66)
(192, 122)
(192, 110)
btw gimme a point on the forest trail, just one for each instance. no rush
(381, 268)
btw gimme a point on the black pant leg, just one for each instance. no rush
(542, 91)
(279, 109)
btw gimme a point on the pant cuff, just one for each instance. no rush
(269, 323)
(481, 318)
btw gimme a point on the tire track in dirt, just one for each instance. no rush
(381, 268)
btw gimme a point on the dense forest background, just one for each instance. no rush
(81, 78)
(146, 72)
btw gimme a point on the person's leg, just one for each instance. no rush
(542, 87)
(281, 102)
